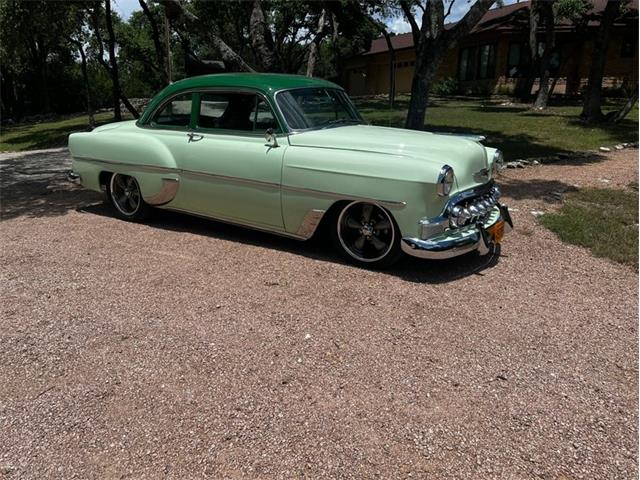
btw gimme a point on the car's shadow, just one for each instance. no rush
(408, 268)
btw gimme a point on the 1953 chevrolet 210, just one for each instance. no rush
(200, 148)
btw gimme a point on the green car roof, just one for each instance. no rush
(267, 83)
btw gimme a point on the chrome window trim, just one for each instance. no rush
(293, 131)
(193, 127)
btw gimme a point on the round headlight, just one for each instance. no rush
(445, 181)
(498, 162)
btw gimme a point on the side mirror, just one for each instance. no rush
(271, 139)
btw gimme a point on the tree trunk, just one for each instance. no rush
(624, 111)
(262, 41)
(313, 48)
(392, 69)
(432, 40)
(85, 78)
(542, 98)
(425, 70)
(592, 107)
(157, 44)
(115, 80)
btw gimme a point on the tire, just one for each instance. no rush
(125, 197)
(366, 235)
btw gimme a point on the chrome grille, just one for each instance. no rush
(473, 210)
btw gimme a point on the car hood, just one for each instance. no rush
(464, 153)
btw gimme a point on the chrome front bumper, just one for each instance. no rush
(458, 242)
(74, 177)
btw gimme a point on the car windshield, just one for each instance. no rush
(311, 108)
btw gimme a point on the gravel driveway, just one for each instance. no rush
(184, 348)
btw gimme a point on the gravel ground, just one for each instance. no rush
(184, 348)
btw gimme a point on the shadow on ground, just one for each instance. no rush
(550, 191)
(318, 248)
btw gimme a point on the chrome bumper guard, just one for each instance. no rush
(74, 177)
(477, 238)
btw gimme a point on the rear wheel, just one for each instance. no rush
(124, 194)
(366, 235)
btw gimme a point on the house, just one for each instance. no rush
(495, 56)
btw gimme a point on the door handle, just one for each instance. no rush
(194, 137)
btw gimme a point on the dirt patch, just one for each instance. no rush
(184, 348)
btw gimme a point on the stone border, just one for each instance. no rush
(522, 163)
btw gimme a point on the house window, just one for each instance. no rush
(628, 47)
(487, 61)
(466, 64)
(518, 60)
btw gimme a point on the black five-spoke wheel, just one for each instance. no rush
(367, 234)
(124, 194)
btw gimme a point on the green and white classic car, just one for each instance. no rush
(285, 153)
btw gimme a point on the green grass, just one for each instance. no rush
(46, 134)
(602, 220)
(518, 131)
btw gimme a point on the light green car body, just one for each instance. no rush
(238, 177)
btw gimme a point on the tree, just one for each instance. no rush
(543, 10)
(592, 106)
(112, 66)
(432, 40)
(162, 53)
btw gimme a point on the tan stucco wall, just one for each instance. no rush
(369, 74)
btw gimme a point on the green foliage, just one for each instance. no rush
(603, 220)
(572, 10)
(445, 87)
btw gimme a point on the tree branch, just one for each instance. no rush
(155, 34)
(313, 47)
(415, 30)
(229, 56)
(448, 10)
(470, 20)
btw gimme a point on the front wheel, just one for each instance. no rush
(124, 195)
(366, 235)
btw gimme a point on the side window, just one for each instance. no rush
(176, 113)
(263, 117)
(245, 112)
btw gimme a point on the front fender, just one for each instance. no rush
(314, 178)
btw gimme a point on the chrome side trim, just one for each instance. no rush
(260, 183)
(166, 194)
(141, 166)
(345, 196)
(310, 223)
(238, 223)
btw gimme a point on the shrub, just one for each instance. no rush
(446, 86)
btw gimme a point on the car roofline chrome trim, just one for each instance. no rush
(149, 126)
(260, 183)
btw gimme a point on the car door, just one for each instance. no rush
(169, 126)
(229, 171)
